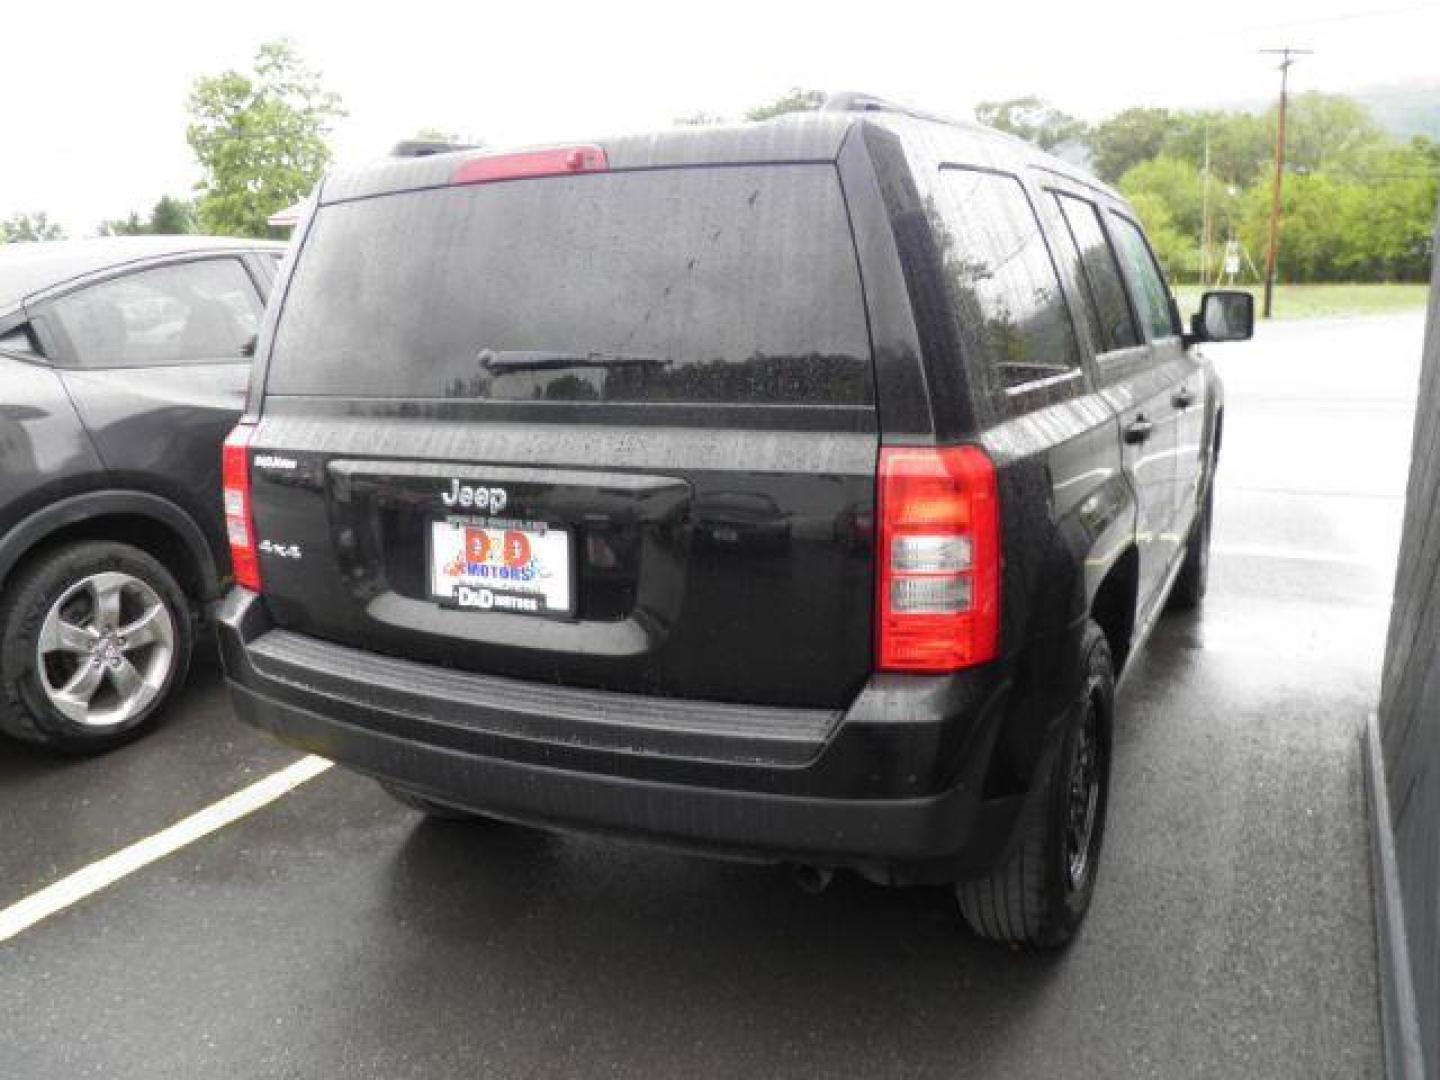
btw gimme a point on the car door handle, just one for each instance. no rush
(1138, 430)
(1183, 398)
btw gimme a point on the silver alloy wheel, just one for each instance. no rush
(106, 649)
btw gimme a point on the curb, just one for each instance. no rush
(1399, 1021)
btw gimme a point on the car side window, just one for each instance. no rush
(1152, 296)
(20, 342)
(1002, 279)
(1099, 273)
(189, 313)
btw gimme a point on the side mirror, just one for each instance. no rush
(1226, 315)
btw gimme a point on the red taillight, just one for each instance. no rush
(938, 606)
(239, 522)
(555, 161)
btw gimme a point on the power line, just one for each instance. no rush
(1349, 16)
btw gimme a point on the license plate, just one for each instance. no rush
(491, 564)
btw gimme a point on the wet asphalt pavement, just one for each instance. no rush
(334, 934)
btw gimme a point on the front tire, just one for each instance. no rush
(1038, 899)
(94, 639)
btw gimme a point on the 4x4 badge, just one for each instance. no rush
(480, 497)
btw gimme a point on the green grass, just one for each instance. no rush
(1319, 301)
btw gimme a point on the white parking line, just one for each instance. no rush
(1245, 551)
(89, 880)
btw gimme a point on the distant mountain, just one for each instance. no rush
(1404, 109)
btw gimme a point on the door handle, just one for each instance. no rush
(1138, 430)
(1183, 398)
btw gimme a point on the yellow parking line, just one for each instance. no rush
(89, 880)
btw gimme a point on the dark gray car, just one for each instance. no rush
(123, 364)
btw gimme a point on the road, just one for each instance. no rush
(333, 934)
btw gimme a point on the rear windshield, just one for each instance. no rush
(719, 284)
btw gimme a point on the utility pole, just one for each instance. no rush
(1205, 209)
(1287, 55)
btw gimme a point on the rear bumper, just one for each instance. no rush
(891, 785)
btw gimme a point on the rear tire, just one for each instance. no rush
(1038, 899)
(428, 807)
(94, 639)
(1194, 576)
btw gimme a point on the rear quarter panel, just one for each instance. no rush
(1068, 512)
(1067, 515)
(160, 429)
(44, 451)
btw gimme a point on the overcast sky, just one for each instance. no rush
(92, 95)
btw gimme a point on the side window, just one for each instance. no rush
(1153, 298)
(200, 312)
(1001, 277)
(1100, 273)
(20, 342)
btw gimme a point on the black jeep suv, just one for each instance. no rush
(792, 491)
(123, 363)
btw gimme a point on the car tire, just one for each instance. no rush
(428, 807)
(1038, 898)
(1194, 576)
(71, 678)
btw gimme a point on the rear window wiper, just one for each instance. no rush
(502, 361)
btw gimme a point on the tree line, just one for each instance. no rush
(1358, 203)
(261, 139)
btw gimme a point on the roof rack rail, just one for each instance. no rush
(855, 101)
(426, 147)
